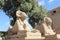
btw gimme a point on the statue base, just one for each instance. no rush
(23, 35)
(34, 36)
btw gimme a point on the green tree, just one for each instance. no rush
(35, 12)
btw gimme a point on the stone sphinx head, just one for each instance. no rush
(21, 15)
(48, 20)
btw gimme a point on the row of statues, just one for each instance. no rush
(21, 27)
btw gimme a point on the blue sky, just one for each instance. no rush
(49, 4)
(5, 20)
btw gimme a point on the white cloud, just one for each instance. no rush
(51, 0)
(41, 2)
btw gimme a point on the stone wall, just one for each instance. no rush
(55, 15)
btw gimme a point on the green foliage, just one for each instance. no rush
(1, 3)
(26, 6)
(38, 15)
(30, 7)
(3, 36)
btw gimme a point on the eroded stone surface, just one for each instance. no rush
(45, 27)
(54, 14)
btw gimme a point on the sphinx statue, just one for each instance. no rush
(21, 28)
(21, 23)
(45, 28)
(18, 31)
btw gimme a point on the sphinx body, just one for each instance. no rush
(45, 28)
(21, 23)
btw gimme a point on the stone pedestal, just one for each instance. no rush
(51, 37)
(34, 36)
(19, 36)
(31, 38)
(58, 36)
(23, 35)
